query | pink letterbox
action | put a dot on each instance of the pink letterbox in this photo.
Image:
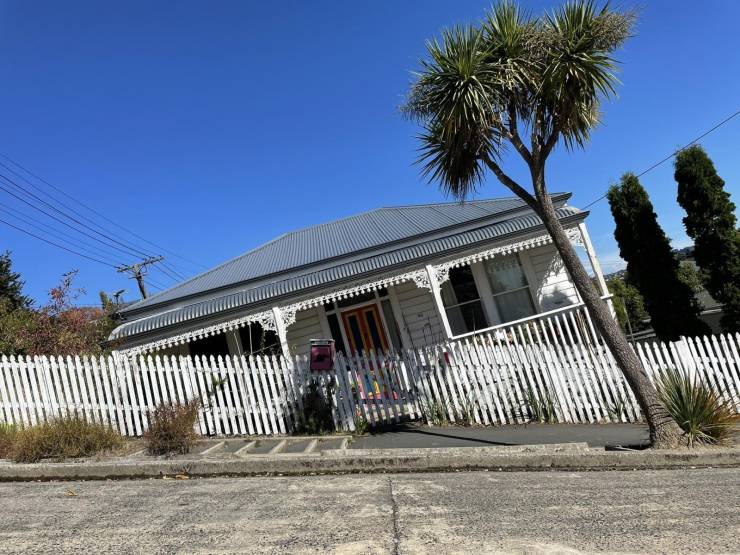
(322, 354)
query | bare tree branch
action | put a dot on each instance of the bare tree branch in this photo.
(513, 134)
(551, 142)
(509, 183)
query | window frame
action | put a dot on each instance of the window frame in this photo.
(527, 277)
(479, 299)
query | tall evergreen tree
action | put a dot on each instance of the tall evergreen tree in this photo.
(11, 285)
(710, 221)
(651, 264)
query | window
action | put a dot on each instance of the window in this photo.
(336, 333)
(510, 288)
(390, 321)
(213, 345)
(462, 302)
(258, 341)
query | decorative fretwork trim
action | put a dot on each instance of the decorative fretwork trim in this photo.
(575, 236)
(265, 319)
(288, 313)
(443, 270)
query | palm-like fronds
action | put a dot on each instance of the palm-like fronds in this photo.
(548, 74)
(579, 70)
(453, 98)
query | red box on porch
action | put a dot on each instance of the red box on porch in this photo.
(322, 354)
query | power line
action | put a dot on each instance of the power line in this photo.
(61, 236)
(651, 168)
(173, 270)
(104, 217)
(165, 270)
(56, 244)
(73, 228)
(52, 232)
(78, 222)
(73, 211)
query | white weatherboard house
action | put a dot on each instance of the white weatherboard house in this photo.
(400, 277)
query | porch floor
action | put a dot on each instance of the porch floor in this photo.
(415, 435)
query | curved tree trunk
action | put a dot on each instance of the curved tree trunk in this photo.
(664, 431)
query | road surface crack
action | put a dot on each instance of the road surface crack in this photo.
(394, 509)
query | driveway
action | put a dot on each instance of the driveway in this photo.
(417, 435)
(684, 511)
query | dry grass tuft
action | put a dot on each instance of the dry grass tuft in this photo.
(171, 429)
(66, 437)
(7, 435)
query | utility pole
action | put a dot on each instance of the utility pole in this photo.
(138, 271)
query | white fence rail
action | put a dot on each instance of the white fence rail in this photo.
(533, 371)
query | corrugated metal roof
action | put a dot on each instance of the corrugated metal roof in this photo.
(326, 241)
(301, 284)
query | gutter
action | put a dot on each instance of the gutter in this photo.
(128, 341)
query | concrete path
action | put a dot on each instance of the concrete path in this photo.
(408, 436)
(671, 511)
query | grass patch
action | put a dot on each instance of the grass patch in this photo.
(362, 426)
(7, 436)
(171, 429)
(67, 437)
(436, 414)
(700, 410)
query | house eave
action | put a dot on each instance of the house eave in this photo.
(195, 323)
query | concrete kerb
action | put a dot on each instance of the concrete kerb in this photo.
(565, 457)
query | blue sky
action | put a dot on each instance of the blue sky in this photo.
(211, 127)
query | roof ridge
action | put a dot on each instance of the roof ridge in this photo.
(428, 204)
(512, 197)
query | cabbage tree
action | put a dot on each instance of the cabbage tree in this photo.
(526, 85)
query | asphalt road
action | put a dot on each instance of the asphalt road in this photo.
(683, 511)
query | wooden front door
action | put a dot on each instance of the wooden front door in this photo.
(364, 329)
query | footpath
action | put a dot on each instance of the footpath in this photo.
(410, 448)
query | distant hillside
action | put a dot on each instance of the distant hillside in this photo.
(686, 253)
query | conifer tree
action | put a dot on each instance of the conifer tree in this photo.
(11, 285)
(651, 264)
(710, 221)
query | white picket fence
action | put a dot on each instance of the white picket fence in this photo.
(484, 379)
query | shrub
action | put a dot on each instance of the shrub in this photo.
(171, 428)
(7, 435)
(701, 412)
(317, 410)
(65, 437)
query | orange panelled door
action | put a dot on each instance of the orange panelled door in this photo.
(365, 332)
(364, 329)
